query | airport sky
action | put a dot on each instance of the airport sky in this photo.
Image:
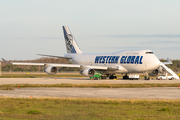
(29, 27)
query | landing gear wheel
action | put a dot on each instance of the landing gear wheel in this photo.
(147, 78)
(113, 77)
(126, 77)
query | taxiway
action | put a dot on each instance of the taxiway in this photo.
(124, 93)
(76, 81)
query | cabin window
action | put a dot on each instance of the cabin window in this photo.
(149, 52)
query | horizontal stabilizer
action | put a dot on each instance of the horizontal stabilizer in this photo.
(55, 56)
(168, 62)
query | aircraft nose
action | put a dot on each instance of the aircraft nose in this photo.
(156, 62)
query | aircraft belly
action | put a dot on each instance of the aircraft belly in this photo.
(134, 68)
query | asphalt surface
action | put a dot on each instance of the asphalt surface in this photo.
(76, 81)
(123, 93)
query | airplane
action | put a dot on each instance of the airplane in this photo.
(125, 62)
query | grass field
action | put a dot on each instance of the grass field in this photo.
(86, 109)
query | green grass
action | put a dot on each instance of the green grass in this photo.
(34, 112)
(164, 109)
(7, 88)
(88, 109)
(93, 85)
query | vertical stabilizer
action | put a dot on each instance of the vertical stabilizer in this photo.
(71, 44)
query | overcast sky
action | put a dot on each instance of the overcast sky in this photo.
(29, 27)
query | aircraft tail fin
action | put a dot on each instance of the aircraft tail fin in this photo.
(71, 44)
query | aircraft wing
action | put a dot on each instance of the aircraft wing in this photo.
(42, 64)
(95, 67)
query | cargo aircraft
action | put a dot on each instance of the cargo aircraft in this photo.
(126, 61)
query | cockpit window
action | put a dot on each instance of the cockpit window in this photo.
(149, 53)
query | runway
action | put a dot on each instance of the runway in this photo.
(76, 81)
(123, 93)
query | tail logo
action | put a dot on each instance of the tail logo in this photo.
(69, 43)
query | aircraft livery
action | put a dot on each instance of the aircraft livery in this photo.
(115, 59)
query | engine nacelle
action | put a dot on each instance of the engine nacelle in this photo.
(154, 73)
(88, 72)
(51, 70)
(160, 69)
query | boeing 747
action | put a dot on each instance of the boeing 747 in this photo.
(126, 61)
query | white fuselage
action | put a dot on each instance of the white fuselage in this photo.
(134, 61)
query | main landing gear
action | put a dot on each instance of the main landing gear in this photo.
(126, 76)
(147, 76)
(111, 76)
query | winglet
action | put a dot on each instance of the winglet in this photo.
(168, 62)
(5, 60)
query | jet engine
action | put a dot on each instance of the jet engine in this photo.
(88, 72)
(154, 73)
(158, 70)
(51, 70)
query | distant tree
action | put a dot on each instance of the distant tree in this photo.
(33, 68)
